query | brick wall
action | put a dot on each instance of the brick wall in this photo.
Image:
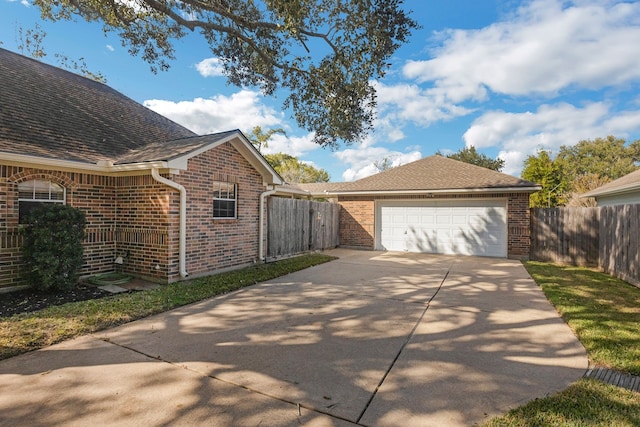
(145, 215)
(357, 225)
(214, 244)
(137, 218)
(357, 220)
(518, 226)
(93, 194)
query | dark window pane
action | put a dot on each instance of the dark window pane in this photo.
(25, 209)
(224, 208)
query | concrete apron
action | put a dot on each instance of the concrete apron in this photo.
(373, 338)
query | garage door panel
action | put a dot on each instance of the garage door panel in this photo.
(471, 227)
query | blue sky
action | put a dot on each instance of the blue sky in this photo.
(507, 77)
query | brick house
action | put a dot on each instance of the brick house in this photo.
(161, 200)
(434, 205)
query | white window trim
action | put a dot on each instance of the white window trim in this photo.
(33, 197)
(234, 200)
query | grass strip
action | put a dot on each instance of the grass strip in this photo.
(584, 403)
(30, 331)
(603, 311)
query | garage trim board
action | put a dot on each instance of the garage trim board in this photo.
(446, 226)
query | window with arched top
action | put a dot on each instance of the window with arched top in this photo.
(35, 193)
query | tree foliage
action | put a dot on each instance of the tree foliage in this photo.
(606, 157)
(579, 168)
(542, 170)
(470, 155)
(384, 164)
(583, 184)
(325, 53)
(292, 170)
(260, 139)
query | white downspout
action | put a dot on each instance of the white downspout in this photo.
(263, 197)
(182, 251)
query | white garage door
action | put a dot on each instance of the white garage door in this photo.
(465, 227)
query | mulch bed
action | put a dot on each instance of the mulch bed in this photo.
(27, 301)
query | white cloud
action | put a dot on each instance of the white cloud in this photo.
(242, 110)
(361, 160)
(547, 46)
(110, 48)
(210, 67)
(550, 126)
(292, 145)
(401, 103)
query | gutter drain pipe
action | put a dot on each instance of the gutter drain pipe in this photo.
(183, 218)
(263, 197)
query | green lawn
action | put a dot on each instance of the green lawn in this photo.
(29, 331)
(604, 312)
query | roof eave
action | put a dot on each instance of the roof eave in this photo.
(425, 192)
(102, 167)
(621, 190)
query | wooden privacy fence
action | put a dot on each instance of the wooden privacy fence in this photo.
(565, 235)
(296, 226)
(607, 237)
(620, 242)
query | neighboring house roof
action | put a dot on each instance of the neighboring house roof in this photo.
(52, 117)
(627, 183)
(434, 174)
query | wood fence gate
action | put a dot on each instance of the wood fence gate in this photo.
(295, 226)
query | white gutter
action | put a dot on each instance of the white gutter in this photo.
(182, 252)
(263, 197)
(103, 166)
(426, 192)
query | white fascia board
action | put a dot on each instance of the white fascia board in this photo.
(292, 191)
(620, 190)
(412, 192)
(102, 167)
(256, 159)
(244, 147)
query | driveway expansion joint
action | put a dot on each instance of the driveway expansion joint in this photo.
(402, 347)
(296, 405)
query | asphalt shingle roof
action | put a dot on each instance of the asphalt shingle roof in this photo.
(628, 182)
(49, 112)
(434, 173)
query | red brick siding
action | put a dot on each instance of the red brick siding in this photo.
(518, 226)
(214, 244)
(357, 219)
(92, 194)
(145, 213)
(357, 225)
(137, 218)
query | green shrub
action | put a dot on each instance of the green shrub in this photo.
(52, 247)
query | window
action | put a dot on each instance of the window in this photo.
(35, 193)
(224, 200)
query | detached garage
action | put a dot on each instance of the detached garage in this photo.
(435, 205)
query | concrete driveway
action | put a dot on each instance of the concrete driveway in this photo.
(374, 338)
